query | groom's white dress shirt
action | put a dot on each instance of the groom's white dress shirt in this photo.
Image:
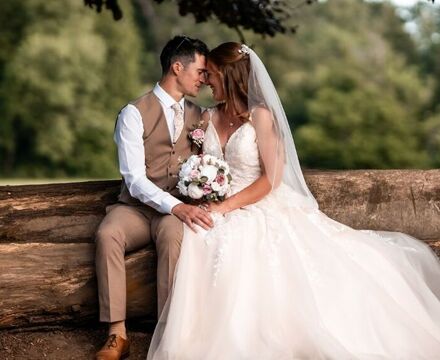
(128, 137)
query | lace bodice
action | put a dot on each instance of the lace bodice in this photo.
(241, 153)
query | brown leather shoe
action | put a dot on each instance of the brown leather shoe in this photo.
(115, 348)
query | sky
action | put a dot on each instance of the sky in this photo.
(411, 26)
(404, 2)
(410, 2)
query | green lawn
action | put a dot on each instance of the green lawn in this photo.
(18, 181)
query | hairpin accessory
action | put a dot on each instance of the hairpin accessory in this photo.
(244, 49)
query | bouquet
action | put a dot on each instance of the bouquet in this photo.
(205, 178)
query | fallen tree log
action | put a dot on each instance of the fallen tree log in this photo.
(44, 284)
(47, 251)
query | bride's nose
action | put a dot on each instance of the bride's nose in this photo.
(204, 79)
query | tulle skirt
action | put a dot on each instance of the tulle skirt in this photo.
(277, 280)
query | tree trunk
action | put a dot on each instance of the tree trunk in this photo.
(47, 252)
(45, 284)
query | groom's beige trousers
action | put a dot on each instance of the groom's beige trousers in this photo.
(130, 224)
(126, 228)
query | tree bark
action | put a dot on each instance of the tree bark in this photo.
(47, 233)
(43, 284)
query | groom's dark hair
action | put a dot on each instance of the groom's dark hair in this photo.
(182, 48)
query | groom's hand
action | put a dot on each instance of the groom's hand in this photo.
(192, 215)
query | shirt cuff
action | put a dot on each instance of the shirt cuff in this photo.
(168, 203)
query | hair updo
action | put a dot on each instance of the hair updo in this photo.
(234, 66)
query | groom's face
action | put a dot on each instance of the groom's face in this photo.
(192, 76)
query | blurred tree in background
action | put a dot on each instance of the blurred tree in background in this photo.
(427, 39)
(362, 96)
(65, 75)
(359, 91)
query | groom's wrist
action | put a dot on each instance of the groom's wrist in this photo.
(169, 203)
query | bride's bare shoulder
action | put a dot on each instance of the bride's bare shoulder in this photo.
(260, 111)
(260, 114)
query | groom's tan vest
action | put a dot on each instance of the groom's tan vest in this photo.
(161, 157)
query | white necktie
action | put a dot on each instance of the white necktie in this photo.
(178, 121)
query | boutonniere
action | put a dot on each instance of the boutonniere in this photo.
(197, 134)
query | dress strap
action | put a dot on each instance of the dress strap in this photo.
(210, 111)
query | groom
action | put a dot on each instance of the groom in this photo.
(151, 134)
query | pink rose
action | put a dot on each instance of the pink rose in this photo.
(198, 134)
(220, 179)
(207, 189)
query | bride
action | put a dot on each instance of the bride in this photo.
(276, 278)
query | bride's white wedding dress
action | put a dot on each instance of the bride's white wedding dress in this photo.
(280, 280)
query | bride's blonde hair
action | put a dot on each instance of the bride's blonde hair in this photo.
(234, 66)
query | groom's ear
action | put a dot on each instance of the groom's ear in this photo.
(176, 67)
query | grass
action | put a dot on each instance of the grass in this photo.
(25, 181)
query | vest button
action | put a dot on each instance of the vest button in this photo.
(173, 152)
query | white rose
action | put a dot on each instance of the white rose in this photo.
(194, 191)
(225, 168)
(223, 190)
(215, 186)
(210, 171)
(182, 188)
(185, 171)
(194, 161)
(208, 159)
(222, 165)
